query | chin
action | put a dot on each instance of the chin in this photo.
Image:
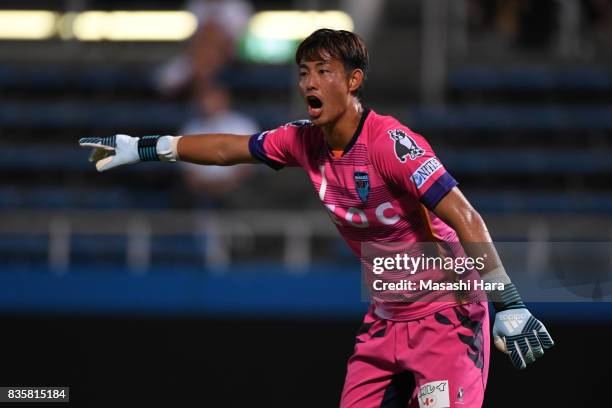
(319, 121)
(316, 121)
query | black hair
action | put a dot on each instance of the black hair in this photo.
(345, 46)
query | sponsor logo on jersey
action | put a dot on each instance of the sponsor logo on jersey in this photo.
(362, 185)
(405, 145)
(425, 170)
(434, 395)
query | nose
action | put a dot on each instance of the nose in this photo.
(311, 82)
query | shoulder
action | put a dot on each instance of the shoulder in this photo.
(299, 138)
(295, 128)
(286, 145)
(301, 132)
(389, 138)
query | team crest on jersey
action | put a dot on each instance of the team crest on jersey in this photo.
(362, 185)
(405, 146)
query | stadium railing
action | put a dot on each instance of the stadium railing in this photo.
(121, 198)
(212, 236)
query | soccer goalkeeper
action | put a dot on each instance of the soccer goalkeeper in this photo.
(381, 183)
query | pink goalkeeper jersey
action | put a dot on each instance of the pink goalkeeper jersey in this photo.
(382, 189)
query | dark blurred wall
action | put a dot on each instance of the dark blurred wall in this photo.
(271, 363)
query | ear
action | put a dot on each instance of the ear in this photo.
(355, 80)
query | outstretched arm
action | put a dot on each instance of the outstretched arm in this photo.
(515, 331)
(216, 149)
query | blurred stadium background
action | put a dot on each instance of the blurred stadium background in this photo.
(158, 283)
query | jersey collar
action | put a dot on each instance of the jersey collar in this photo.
(350, 145)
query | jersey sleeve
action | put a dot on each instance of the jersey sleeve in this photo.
(279, 147)
(407, 162)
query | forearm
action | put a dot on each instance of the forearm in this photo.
(475, 239)
(119, 150)
(215, 149)
(471, 230)
(515, 330)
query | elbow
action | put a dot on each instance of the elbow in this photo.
(464, 216)
(222, 157)
(472, 216)
(476, 225)
(226, 154)
(224, 160)
(220, 160)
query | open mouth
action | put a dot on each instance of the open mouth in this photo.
(315, 106)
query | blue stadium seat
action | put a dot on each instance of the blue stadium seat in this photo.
(526, 79)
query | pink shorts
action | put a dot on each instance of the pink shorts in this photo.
(439, 361)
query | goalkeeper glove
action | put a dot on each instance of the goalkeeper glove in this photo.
(516, 332)
(113, 151)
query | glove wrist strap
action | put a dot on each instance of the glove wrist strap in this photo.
(507, 299)
(147, 148)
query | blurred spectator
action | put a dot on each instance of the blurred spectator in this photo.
(507, 17)
(598, 21)
(537, 22)
(526, 23)
(209, 185)
(221, 23)
(479, 13)
(599, 14)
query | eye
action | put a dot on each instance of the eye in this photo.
(302, 74)
(323, 71)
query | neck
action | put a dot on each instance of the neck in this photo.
(339, 133)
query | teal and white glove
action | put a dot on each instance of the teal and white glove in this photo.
(113, 151)
(516, 332)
